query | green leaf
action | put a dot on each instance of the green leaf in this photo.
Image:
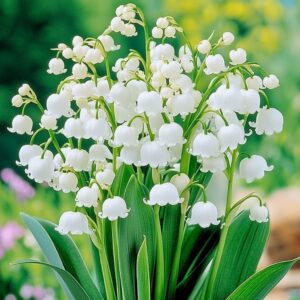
(47, 246)
(243, 248)
(72, 259)
(74, 287)
(142, 273)
(139, 223)
(121, 180)
(260, 284)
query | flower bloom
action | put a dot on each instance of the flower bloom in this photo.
(74, 223)
(87, 197)
(253, 168)
(21, 124)
(204, 214)
(114, 208)
(259, 213)
(163, 194)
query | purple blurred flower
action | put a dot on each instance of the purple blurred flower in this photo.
(9, 233)
(21, 187)
(36, 292)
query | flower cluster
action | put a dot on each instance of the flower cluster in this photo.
(148, 112)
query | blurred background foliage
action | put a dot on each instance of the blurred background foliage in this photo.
(268, 29)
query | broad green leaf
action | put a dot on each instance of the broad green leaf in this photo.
(121, 179)
(47, 246)
(260, 284)
(72, 259)
(142, 273)
(139, 223)
(73, 285)
(243, 248)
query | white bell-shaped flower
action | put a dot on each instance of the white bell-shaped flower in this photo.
(204, 47)
(98, 129)
(157, 32)
(21, 124)
(17, 101)
(231, 136)
(80, 71)
(27, 152)
(268, 121)
(58, 105)
(253, 168)
(74, 223)
(40, 169)
(56, 66)
(93, 56)
(271, 82)
(117, 24)
(259, 213)
(182, 82)
(182, 104)
(67, 182)
(48, 122)
(213, 164)
(87, 197)
(214, 64)
(163, 52)
(105, 177)
(170, 134)
(73, 128)
(171, 69)
(205, 145)
(78, 160)
(108, 43)
(227, 38)
(238, 56)
(180, 181)
(254, 83)
(163, 194)
(131, 155)
(204, 214)
(125, 136)
(250, 101)
(170, 32)
(150, 103)
(114, 208)
(154, 154)
(162, 22)
(100, 153)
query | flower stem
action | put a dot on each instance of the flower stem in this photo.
(224, 232)
(114, 226)
(160, 268)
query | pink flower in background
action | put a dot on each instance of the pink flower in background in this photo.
(9, 233)
(21, 187)
(36, 292)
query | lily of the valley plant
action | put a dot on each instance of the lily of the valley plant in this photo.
(136, 143)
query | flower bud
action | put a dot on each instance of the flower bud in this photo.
(162, 23)
(129, 30)
(108, 43)
(93, 56)
(24, 90)
(79, 71)
(214, 64)
(204, 214)
(204, 47)
(17, 101)
(253, 168)
(21, 124)
(87, 197)
(114, 208)
(77, 40)
(73, 222)
(117, 24)
(180, 181)
(170, 32)
(67, 53)
(227, 38)
(163, 194)
(157, 32)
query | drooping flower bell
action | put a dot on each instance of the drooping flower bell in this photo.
(21, 124)
(181, 104)
(259, 213)
(78, 159)
(125, 136)
(213, 164)
(105, 177)
(27, 152)
(238, 56)
(40, 169)
(48, 122)
(74, 223)
(67, 182)
(231, 136)
(99, 153)
(56, 66)
(98, 129)
(58, 106)
(114, 208)
(204, 214)
(271, 82)
(131, 155)
(215, 64)
(205, 145)
(150, 103)
(170, 134)
(250, 101)
(73, 128)
(253, 168)
(87, 197)
(268, 121)
(154, 154)
(180, 181)
(163, 194)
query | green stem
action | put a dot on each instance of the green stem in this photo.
(224, 232)
(160, 274)
(114, 226)
(109, 287)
